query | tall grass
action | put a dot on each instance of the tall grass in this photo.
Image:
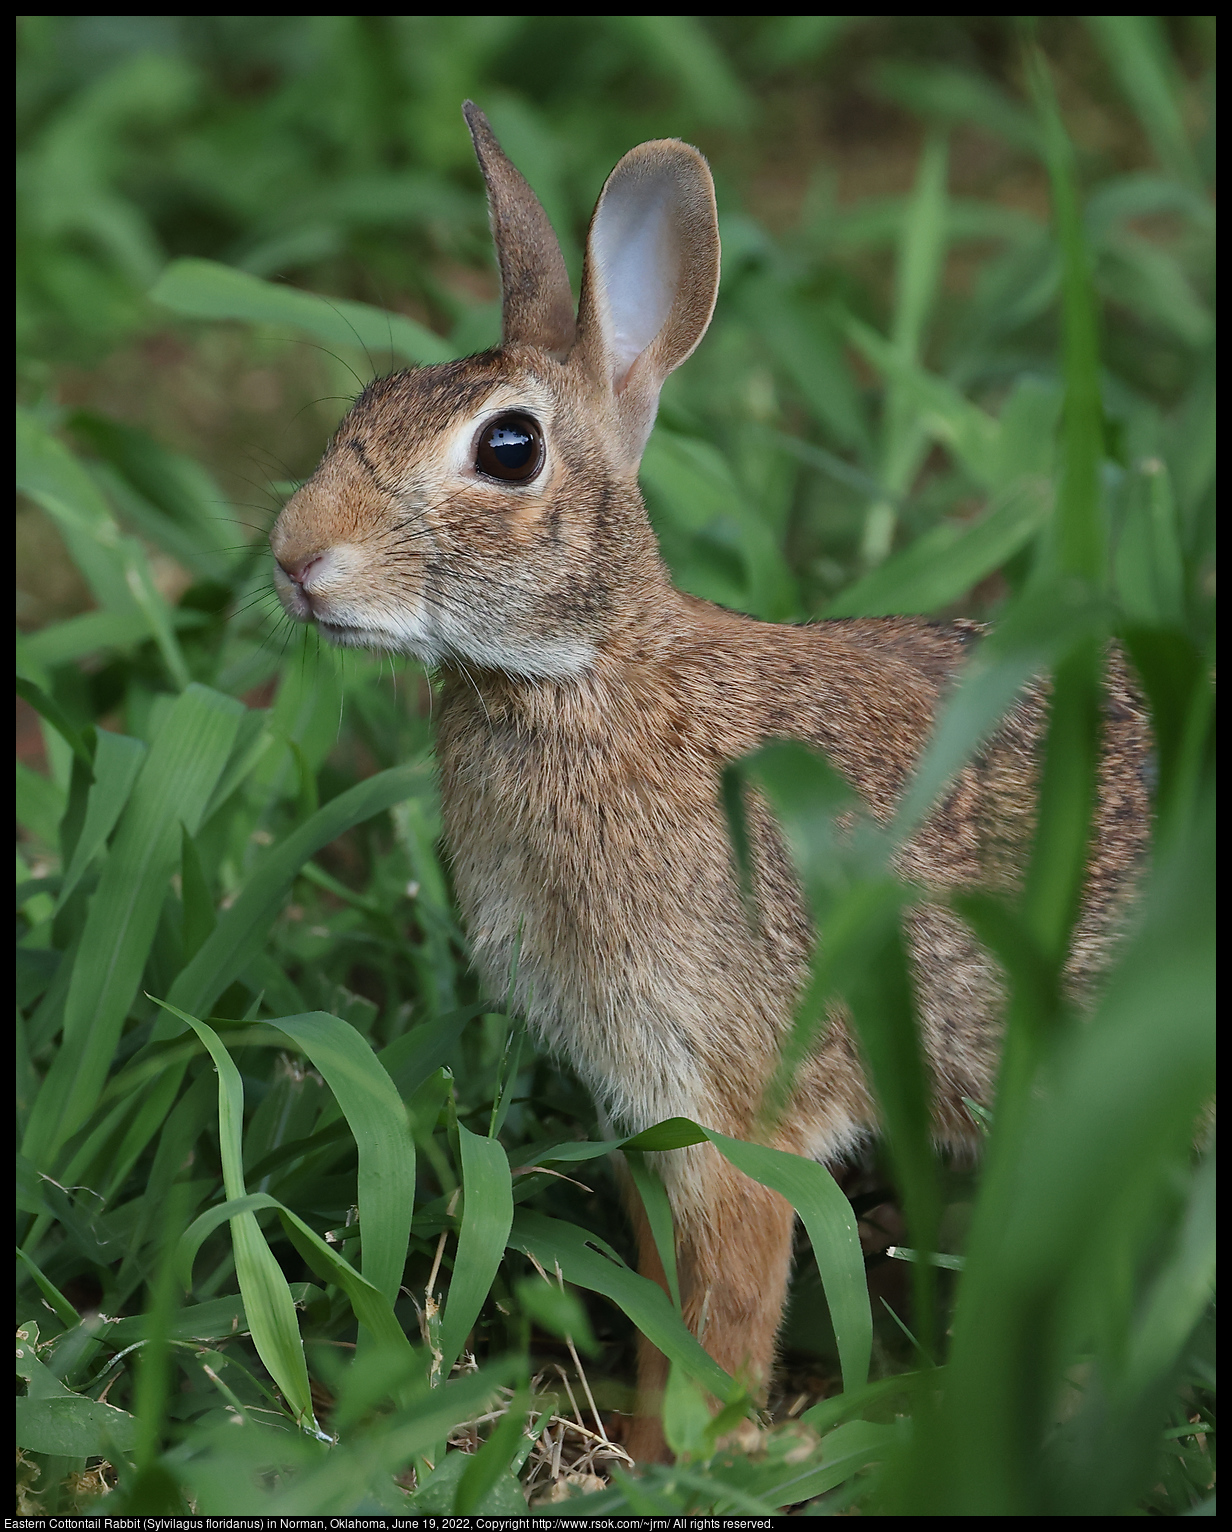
(303, 1219)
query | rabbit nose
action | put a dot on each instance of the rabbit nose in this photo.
(298, 571)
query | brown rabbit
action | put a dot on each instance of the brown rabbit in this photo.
(484, 516)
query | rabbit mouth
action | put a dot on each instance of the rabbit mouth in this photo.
(354, 635)
(396, 637)
(346, 633)
(530, 659)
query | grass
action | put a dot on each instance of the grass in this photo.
(282, 1164)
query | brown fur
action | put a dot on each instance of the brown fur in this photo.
(587, 711)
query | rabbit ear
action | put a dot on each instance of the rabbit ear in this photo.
(651, 278)
(537, 305)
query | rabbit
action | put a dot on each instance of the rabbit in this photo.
(484, 516)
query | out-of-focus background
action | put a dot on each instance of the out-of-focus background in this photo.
(872, 425)
(329, 153)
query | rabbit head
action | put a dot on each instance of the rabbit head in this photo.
(486, 511)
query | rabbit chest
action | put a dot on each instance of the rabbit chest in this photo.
(585, 835)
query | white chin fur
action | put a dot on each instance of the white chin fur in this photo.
(443, 639)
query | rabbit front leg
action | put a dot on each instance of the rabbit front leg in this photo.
(733, 1258)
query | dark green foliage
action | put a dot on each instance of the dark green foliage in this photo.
(247, 1029)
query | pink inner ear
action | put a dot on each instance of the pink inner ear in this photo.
(635, 245)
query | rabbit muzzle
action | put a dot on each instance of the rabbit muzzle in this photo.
(429, 564)
(467, 514)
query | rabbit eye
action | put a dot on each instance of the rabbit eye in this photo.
(510, 448)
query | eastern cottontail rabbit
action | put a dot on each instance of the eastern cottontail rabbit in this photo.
(484, 516)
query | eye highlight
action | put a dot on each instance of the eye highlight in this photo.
(510, 448)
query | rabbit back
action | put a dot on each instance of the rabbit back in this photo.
(587, 832)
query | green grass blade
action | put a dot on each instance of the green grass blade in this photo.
(268, 1304)
(56, 1301)
(559, 1311)
(149, 1118)
(51, 710)
(254, 739)
(74, 1427)
(860, 959)
(1079, 539)
(1124, 1093)
(507, 1078)
(940, 410)
(847, 1449)
(194, 1113)
(493, 1459)
(41, 1382)
(829, 1413)
(180, 490)
(48, 473)
(1180, 1291)
(410, 1060)
(693, 485)
(153, 605)
(154, 1380)
(378, 1121)
(117, 762)
(831, 1225)
(922, 250)
(942, 565)
(1154, 287)
(959, 96)
(115, 567)
(1137, 48)
(1039, 628)
(343, 1480)
(207, 290)
(176, 780)
(80, 780)
(78, 637)
(920, 260)
(1173, 674)
(1149, 567)
(211, 1321)
(203, 1226)
(371, 1307)
(586, 1261)
(807, 345)
(808, 1186)
(242, 929)
(199, 918)
(1055, 879)
(658, 1210)
(684, 51)
(487, 1213)
(671, 1133)
(795, 40)
(40, 804)
(1067, 789)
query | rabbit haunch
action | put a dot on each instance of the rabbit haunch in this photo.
(588, 708)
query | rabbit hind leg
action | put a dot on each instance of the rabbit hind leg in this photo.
(733, 1252)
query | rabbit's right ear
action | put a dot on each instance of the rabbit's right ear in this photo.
(651, 279)
(536, 301)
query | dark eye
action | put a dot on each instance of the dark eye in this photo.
(511, 448)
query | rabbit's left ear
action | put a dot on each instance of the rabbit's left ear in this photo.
(536, 302)
(651, 279)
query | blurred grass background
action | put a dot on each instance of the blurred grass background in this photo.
(868, 427)
(325, 151)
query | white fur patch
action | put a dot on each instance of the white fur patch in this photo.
(435, 636)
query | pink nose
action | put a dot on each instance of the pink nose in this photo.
(298, 570)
